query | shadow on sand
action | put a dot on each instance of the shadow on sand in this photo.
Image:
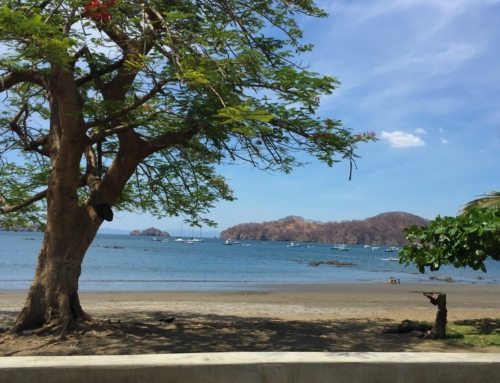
(214, 333)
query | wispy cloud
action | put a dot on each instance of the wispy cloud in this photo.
(444, 141)
(420, 131)
(372, 9)
(402, 140)
(432, 63)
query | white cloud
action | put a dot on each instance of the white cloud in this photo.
(441, 130)
(444, 141)
(420, 131)
(402, 139)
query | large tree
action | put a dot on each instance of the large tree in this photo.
(131, 105)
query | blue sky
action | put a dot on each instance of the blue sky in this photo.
(425, 77)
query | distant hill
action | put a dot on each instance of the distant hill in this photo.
(151, 231)
(383, 229)
(30, 227)
(106, 230)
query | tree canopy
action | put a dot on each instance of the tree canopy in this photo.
(171, 87)
(466, 240)
(134, 105)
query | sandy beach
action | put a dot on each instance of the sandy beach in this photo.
(312, 317)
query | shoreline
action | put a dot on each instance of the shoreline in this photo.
(313, 301)
(299, 286)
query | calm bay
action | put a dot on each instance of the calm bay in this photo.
(131, 263)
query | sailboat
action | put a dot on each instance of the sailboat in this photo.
(198, 239)
(191, 240)
(180, 239)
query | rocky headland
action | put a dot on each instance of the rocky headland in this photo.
(383, 229)
(151, 232)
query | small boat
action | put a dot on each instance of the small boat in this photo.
(293, 244)
(189, 242)
(390, 259)
(245, 244)
(155, 239)
(227, 243)
(340, 248)
(375, 248)
(391, 249)
(166, 240)
(366, 246)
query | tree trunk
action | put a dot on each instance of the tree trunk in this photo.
(439, 329)
(53, 302)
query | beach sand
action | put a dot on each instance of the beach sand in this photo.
(314, 317)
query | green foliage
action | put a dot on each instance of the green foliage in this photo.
(477, 332)
(19, 184)
(201, 84)
(465, 240)
(39, 39)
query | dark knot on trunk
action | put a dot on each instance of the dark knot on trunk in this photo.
(104, 211)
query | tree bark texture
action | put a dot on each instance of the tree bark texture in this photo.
(439, 329)
(71, 225)
(53, 301)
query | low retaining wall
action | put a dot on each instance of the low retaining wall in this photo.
(256, 367)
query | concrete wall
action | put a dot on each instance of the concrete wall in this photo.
(256, 367)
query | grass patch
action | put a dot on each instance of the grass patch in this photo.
(477, 332)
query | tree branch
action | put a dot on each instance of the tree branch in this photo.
(37, 197)
(11, 209)
(129, 108)
(29, 144)
(16, 77)
(89, 77)
(92, 175)
(97, 79)
(175, 138)
(101, 135)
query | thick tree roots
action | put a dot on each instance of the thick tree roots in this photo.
(41, 315)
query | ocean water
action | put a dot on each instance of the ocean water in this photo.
(129, 263)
